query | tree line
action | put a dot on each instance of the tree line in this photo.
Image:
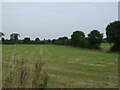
(78, 39)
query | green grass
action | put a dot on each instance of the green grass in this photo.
(67, 66)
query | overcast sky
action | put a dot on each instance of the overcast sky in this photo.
(119, 11)
(53, 20)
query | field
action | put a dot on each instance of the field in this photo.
(67, 66)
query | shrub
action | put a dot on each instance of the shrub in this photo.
(115, 48)
(84, 43)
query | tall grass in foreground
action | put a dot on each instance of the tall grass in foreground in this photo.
(20, 74)
(40, 78)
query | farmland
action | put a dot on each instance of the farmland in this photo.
(68, 66)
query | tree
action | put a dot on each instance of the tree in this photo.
(26, 40)
(60, 41)
(113, 35)
(44, 41)
(14, 37)
(77, 37)
(37, 40)
(104, 40)
(49, 41)
(69, 42)
(65, 40)
(1, 34)
(84, 43)
(3, 39)
(95, 38)
(54, 41)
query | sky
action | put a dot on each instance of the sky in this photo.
(119, 11)
(51, 20)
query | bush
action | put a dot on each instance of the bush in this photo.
(94, 46)
(115, 48)
(84, 43)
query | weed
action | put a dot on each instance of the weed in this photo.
(40, 77)
(18, 76)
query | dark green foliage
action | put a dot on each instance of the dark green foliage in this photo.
(3, 39)
(37, 41)
(20, 42)
(6, 41)
(115, 48)
(62, 41)
(44, 41)
(113, 35)
(1, 34)
(69, 41)
(49, 41)
(84, 43)
(104, 40)
(54, 41)
(26, 40)
(95, 38)
(14, 37)
(77, 37)
(65, 41)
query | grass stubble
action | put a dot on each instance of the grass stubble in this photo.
(67, 67)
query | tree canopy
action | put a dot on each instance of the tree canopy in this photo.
(14, 37)
(77, 37)
(113, 34)
(95, 38)
(1, 34)
(26, 40)
(37, 39)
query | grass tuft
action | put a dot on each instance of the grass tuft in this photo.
(19, 74)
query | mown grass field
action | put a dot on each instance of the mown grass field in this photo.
(67, 66)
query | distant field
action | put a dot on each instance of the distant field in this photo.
(67, 66)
